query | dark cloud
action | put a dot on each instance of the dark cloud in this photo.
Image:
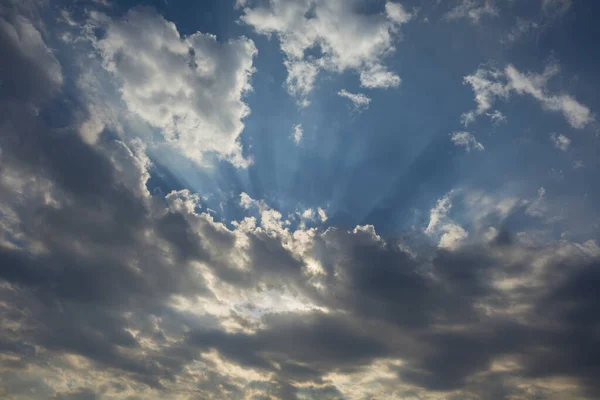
(93, 261)
(81, 394)
(33, 72)
(300, 346)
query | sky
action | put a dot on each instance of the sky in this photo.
(299, 199)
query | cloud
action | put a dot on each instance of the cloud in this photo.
(486, 88)
(466, 140)
(329, 35)
(522, 28)
(497, 117)
(538, 207)
(74, 253)
(490, 84)
(360, 102)
(22, 43)
(322, 214)
(550, 13)
(576, 113)
(561, 142)
(190, 87)
(556, 8)
(474, 10)
(110, 291)
(450, 234)
(297, 133)
(134, 296)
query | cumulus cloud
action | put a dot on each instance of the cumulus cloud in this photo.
(491, 84)
(474, 10)
(561, 142)
(190, 87)
(360, 102)
(466, 140)
(329, 35)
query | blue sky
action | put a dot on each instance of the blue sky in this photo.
(358, 162)
(299, 199)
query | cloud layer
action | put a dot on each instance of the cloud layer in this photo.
(111, 291)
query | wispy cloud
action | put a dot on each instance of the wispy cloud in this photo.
(474, 10)
(466, 140)
(360, 102)
(491, 84)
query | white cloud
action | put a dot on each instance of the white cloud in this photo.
(466, 140)
(487, 89)
(343, 38)
(132, 163)
(301, 78)
(246, 201)
(473, 10)
(490, 84)
(297, 133)
(190, 87)
(308, 214)
(576, 114)
(184, 201)
(561, 142)
(449, 234)
(377, 76)
(497, 117)
(322, 214)
(453, 236)
(360, 102)
(397, 13)
(311, 214)
(478, 211)
(439, 212)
